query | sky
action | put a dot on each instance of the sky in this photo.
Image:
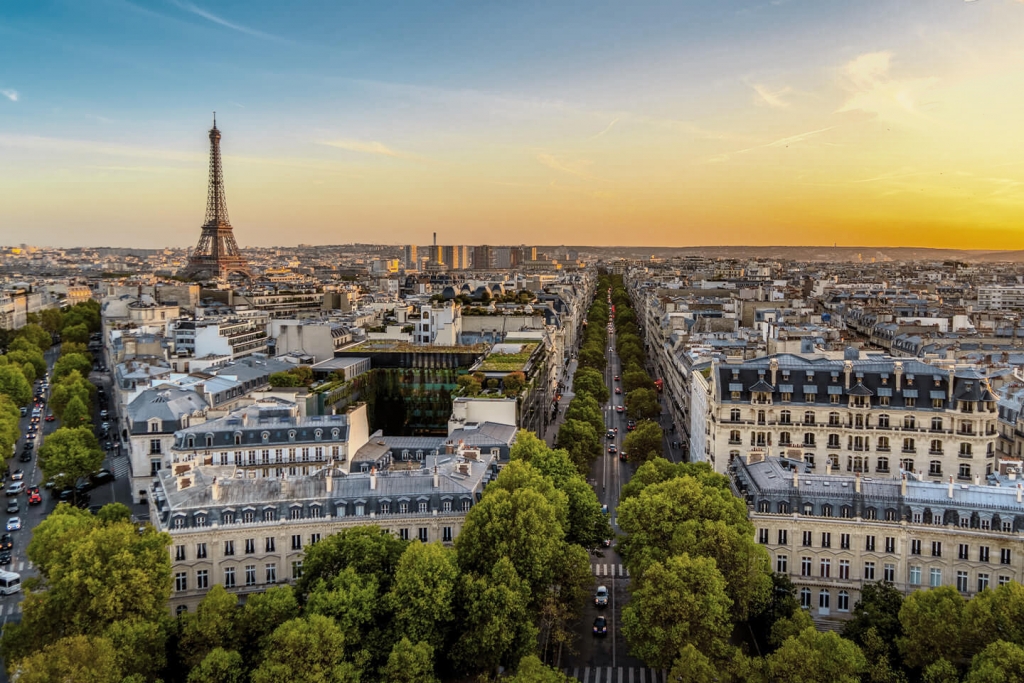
(670, 123)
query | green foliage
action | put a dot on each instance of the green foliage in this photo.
(74, 347)
(878, 612)
(30, 354)
(76, 413)
(369, 550)
(77, 333)
(71, 385)
(261, 614)
(532, 670)
(211, 626)
(68, 454)
(51, 320)
(114, 512)
(643, 404)
(1000, 662)
(469, 385)
(410, 663)
(35, 335)
(14, 385)
(644, 443)
(679, 602)
(636, 379)
(219, 666)
(10, 429)
(77, 658)
(932, 622)
(582, 443)
(694, 666)
(285, 379)
(586, 409)
(940, 671)
(590, 381)
(72, 362)
(790, 626)
(812, 657)
(513, 383)
(306, 650)
(423, 593)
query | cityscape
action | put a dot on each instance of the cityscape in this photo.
(750, 429)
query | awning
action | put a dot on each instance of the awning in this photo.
(810, 389)
(735, 386)
(835, 391)
(786, 388)
(937, 395)
(885, 391)
(910, 393)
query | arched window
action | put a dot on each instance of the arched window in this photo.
(808, 509)
(935, 447)
(965, 449)
(209, 440)
(318, 434)
(909, 422)
(823, 599)
(936, 423)
(238, 438)
(843, 601)
(784, 438)
(883, 421)
(935, 468)
(764, 506)
(809, 417)
(734, 436)
(783, 507)
(785, 417)
(833, 419)
(805, 598)
(265, 436)
(870, 513)
(734, 415)
(908, 445)
(191, 441)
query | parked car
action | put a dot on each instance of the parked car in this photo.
(630, 425)
(104, 415)
(600, 626)
(14, 523)
(24, 411)
(623, 457)
(105, 426)
(50, 417)
(601, 596)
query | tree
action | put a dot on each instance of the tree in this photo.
(71, 385)
(75, 333)
(590, 381)
(140, 646)
(636, 379)
(532, 670)
(423, 593)
(932, 622)
(790, 626)
(10, 428)
(352, 601)
(681, 601)
(694, 667)
(36, 335)
(69, 454)
(74, 347)
(811, 657)
(285, 379)
(14, 385)
(586, 408)
(306, 650)
(114, 512)
(643, 404)
(878, 609)
(72, 362)
(514, 383)
(1000, 662)
(581, 442)
(369, 550)
(51, 320)
(469, 385)
(219, 666)
(27, 354)
(645, 442)
(212, 625)
(410, 663)
(76, 414)
(262, 613)
(991, 615)
(78, 658)
(940, 671)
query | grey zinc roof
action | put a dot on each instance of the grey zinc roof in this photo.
(167, 403)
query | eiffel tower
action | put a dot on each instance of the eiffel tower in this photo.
(217, 254)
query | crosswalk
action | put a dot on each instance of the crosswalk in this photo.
(119, 465)
(8, 610)
(616, 674)
(21, 566)
(609, 570)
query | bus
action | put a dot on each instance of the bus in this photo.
(10, 582)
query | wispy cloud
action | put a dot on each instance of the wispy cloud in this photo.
(370, 147)
(577, 168)
(781, 142)
(872, 89)
(12, 95)
(772, 98)
(64, 145)
(210, 16)
(607, 128)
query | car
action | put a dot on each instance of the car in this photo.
(16, 488)
(618, 390)
(14, 523)
(35, 498)
(610, 434)
(630, 425)
(13, 507)
(24, 411)
(615, 429)
(49, 417)
(107, 446)
(104, 414)
(620, 409)
(600, 626)
(30, 436)
(105, 426)
(607, 543)
(616, 378)
(26, 456)
(604, 509)
(612, 450)
(5, 558)
(601, 596)
(101, 477)
(6, 542)
(623, 457)
(17, 475)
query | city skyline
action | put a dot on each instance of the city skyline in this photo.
(754, 123)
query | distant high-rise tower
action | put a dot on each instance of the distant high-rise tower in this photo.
(217, 254)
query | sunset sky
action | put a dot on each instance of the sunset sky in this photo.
(867, 122)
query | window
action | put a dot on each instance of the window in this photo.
(807, 539)
(844, 541)
(783, 537)
(908, 445)
(823, 600)
(982, 582)
(825, 567)
(936, 548)
(963, 552)
(961, 581)
(155, 447)
(983, 553)
(785, 417)
(808, 439)
(935, 447)
(909, 402)
(181, 581)
(446, 534)
(248, 516)
(297, 569)
(883, 445)
(269, 544)
(883, 421)
(915, 547)
(805, 598)
(869, 543)
(915, 576)
(423, 534)
(179, 553)
(805, 566)
(843, 601)
(762, 536)
(271, 573)
(1003, 579)
(1004, 556)
(826, 539)
(889, 572)
(403, 534)
(734, 415)
(446, 506)
(782, 564)
(734, 436)
(869, 571)
(964, 471)
(833, 419)
(833, 441)
(200, 551)
(250, 546)
(890, 544)
(809, 418)
(229, 577)
(203, 579)
(269, 515)
(314, 538)
(296, 541)
(229, 547)
(935, 577)
(844, 569)
(360, 509)
(422, 506)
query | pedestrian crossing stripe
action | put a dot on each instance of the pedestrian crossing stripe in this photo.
(616, 674)
(14, 608)
(610, 570)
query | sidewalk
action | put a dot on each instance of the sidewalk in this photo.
(567, 395)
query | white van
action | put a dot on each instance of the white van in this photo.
(10, 582)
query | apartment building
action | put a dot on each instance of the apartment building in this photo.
(832, 534)
(873, 415)
(1001, 297)
(233, 337)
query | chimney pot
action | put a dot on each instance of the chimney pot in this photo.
(796, 479)
(951, 486)
(1020, 493)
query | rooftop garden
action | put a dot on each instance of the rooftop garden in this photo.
(509, 362)
(390, 345)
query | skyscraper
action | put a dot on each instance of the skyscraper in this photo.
(217, 254)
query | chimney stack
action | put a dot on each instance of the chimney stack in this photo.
(903, 485)
(1020, 491)
(373, 479)
(951, 486)
(856, 483)
(796, 479)
(215, 489)
(330, 478)
(437, 478)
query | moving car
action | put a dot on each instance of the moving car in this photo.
(34, 498)
(6, 542)
(12, 506)
(620, 409)
(17, 475)
(14, 523)
(50, 417)
(610, 434)
(623, 457)
(5, 558)
(630, 425)
(16, 488)
(616, 378)
(600, 626)
(618, 390)
(601, 596)
(607, 543)
(101, 477)
(612, 450)
(26, 455)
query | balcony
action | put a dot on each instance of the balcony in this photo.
(909, 450)
(965, 455)
(883, 449)
(833, 446)
(882, 470)
(735, 442)
(934, 451)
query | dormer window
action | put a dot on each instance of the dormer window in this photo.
(154, 426)
(238, 438)
(335, 433)
(266, 437)
(318, 434)
(209, 440)
(291, 435)
(191, 441)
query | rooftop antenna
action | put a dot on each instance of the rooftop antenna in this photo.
(214, 119)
